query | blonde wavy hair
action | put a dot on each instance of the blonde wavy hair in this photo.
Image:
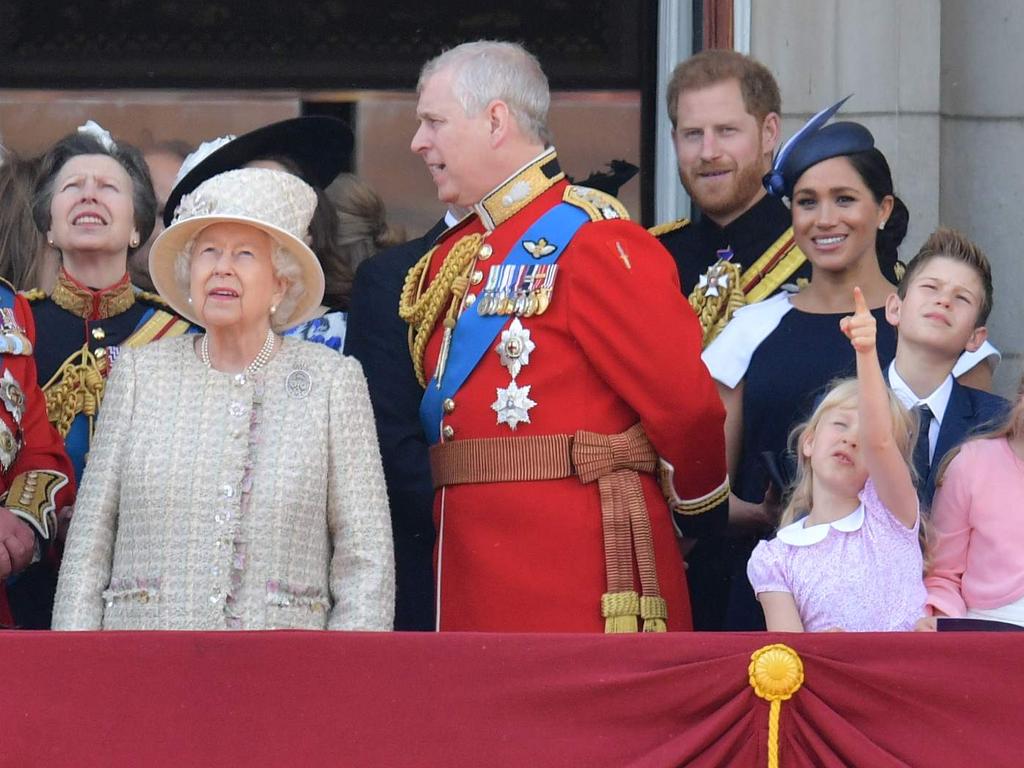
(843, 393)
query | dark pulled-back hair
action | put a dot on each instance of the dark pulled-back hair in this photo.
(757, 85)
(873, 168)
(130, 158)
(954, 245)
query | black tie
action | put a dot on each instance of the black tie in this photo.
(921, 462)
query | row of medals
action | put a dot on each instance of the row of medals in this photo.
(523, 290)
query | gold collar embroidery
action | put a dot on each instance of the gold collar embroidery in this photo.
(88, 304)
(520, 189)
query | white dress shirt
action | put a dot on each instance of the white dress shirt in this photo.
(937, 402)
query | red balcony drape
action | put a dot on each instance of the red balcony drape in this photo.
(308, 698)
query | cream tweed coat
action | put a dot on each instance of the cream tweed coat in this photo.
(219, 501)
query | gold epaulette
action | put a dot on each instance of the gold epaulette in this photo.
(597, 204)
(669, 226)
(152, 298)
(34, 294)
(32, 497)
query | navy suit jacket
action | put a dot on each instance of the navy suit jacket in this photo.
(969, 412)
(378, 338)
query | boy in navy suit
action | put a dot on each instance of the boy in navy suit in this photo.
(940, 310)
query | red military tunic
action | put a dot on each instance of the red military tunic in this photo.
(617, 345)
(36, 478)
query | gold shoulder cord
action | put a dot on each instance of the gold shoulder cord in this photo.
(715, 310)
(77, 387)
(422, 308)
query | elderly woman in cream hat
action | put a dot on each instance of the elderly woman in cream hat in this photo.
(264, 506)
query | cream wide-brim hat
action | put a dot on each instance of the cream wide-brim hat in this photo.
(274, 202)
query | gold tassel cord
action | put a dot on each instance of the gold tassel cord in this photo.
(76, 388)
(776, 672)
(620, 610)
(422, 308)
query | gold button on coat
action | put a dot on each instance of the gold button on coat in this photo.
(448, 432)
(448, 405)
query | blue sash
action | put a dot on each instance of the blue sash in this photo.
(474, 333)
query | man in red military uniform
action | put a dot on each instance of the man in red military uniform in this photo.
(36, 478)
(561, 367)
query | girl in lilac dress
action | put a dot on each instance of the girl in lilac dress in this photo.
(846, 556)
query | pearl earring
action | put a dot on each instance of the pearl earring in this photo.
(134, 242)
(882, 225)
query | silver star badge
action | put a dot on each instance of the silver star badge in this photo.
(513, 404)
(716, 280)
(515, 347)
(12, 395)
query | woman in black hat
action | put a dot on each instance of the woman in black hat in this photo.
(776, 357)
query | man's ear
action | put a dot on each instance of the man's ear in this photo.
(499, 119)
(976, 339)
(893, 305)
(771, 129)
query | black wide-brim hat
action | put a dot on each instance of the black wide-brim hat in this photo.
(320, 146)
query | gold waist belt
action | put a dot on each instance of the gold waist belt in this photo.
(614, 461)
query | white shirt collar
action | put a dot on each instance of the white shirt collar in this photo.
(937, 401)
(799, 536)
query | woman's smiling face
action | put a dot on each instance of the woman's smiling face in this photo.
(836, 216)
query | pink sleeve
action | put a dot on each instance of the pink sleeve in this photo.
(766, 570)
(951, 531)
(879, 513)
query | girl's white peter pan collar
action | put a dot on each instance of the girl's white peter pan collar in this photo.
(800, 536)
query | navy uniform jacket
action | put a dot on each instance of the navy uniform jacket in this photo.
(79, 333)
(694, 245)
(378, 338)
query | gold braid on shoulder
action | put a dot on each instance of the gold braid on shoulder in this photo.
(76, 388)
(422, 308)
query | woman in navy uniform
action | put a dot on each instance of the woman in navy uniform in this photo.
(95, 204)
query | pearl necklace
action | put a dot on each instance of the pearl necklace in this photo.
(261, 359)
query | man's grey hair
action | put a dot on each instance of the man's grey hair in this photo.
(286, 267)
(490, 69)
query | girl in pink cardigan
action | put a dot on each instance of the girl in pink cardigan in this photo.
(977, 563)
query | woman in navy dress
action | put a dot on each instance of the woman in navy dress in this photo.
(775, 358)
